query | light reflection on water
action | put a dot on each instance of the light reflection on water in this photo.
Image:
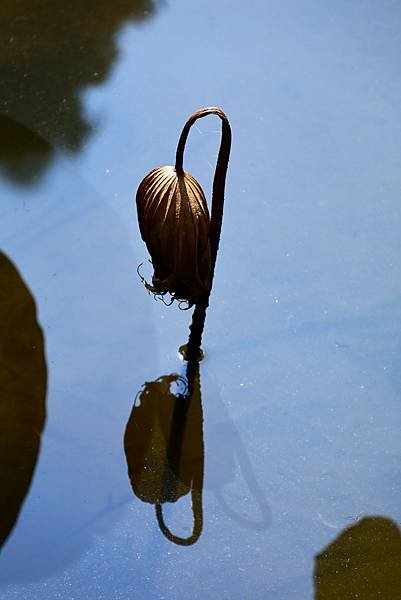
(300, 387)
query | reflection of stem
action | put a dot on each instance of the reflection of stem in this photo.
(179, 419)
(174, 455)
(198, 522)
(199, 315)
(192, 374)
(180, 414)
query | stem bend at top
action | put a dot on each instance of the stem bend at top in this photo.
(219, 179)
(203, 112)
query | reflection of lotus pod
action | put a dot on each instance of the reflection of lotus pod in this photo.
(163, 445)
(174, 222)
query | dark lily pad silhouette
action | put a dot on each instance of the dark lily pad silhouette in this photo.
(363, 562)
(23, 377)
(50, 52)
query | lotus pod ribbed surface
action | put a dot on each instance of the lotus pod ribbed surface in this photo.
(174, 222)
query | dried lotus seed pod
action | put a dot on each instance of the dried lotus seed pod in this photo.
(181, 238)
(174, 223)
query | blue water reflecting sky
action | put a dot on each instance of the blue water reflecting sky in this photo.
(301, 385)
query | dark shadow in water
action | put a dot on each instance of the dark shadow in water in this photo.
(363, 562)
(23, 153)
(164, 446)
(50, 51)
(23, 377)
(229, 460)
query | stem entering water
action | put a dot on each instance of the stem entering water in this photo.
(192, 350)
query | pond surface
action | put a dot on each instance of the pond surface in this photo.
(289, 452)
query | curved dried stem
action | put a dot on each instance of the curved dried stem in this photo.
(219, 181)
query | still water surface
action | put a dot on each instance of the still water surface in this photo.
(291, 442)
